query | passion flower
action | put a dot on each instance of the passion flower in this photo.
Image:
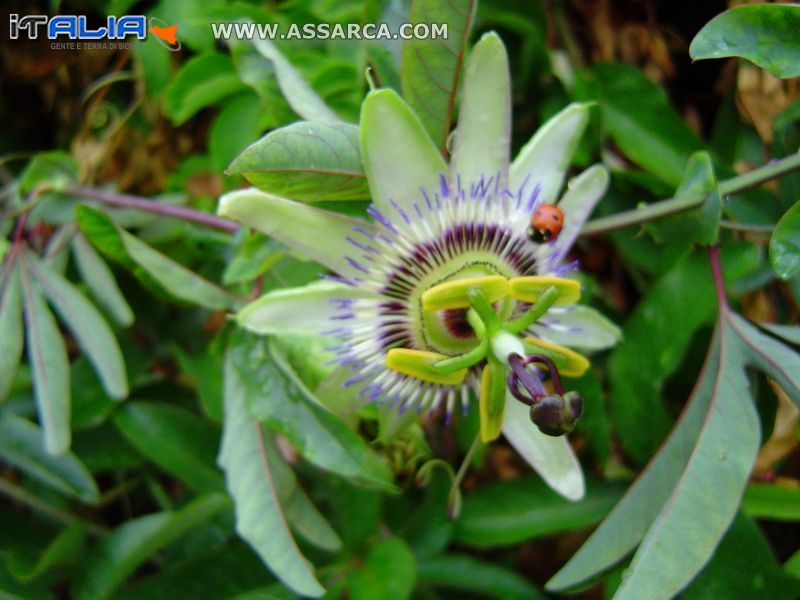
(438, 297)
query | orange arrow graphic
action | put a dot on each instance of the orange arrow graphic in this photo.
(168, 34)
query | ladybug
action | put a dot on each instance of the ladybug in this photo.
(546, 223)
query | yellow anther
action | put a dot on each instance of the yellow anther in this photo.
(528, 289)
(492, 401)
(568, 362)
(420, 365)
(454, 294)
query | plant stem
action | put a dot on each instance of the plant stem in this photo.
(719, 282)
(152, 206)
(687, 202)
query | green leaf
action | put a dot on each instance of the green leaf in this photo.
(630, 519)
(510, 512)
(154, 64)
(56, 169)
(251, 482)
(237, 125)
(638, 117)
(388, 571)
(784, 245)
(656, 337)
(224, 573)
(22, 445)
(149, 265)
(765, 34)
(769, 355)
(790, 333)
(302, 515)
(301, 97)
(47, 354)
(306, 161)
(206, 371)
(699, 226)
(775, 502)
(101, 283)
(65, 549)
(430, 69)
(743, 567)
(706, 497)
(87, 325)
(255, 255)
(11, 333)
(277, 396)
(119, 554)
(175, 439)
(202, 81)
(472, 575)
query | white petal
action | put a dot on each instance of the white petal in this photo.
(398, 155)
(545, 158)
(551, 457)
(483, 135)
(583, 193)
(579, 327)
(319, 234)
(307, 310)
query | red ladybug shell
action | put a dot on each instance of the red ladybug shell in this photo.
(546, 223)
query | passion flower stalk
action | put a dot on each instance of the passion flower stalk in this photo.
(441, 297)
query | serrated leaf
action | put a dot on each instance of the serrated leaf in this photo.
(308, 161)
(86, 324)
(297, 91)
(784, 245)
(175, 439)
(11, 332)
(22, 444)
(510, 512)
(472, 575)
(152, 267)
(765, 34)
(101, 283)
(276, 396)
(431, 68)
(203, 80)
(251, 482)
(47, 354)
(117, 556)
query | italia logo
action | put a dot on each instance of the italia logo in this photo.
(75, 27)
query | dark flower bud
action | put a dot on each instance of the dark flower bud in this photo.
(556, 414)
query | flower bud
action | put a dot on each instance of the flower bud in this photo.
(557, 414)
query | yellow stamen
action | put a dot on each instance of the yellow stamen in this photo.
(454, 294)
(492, 401)
(420, 364)
(528, 289)
(569, 362)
